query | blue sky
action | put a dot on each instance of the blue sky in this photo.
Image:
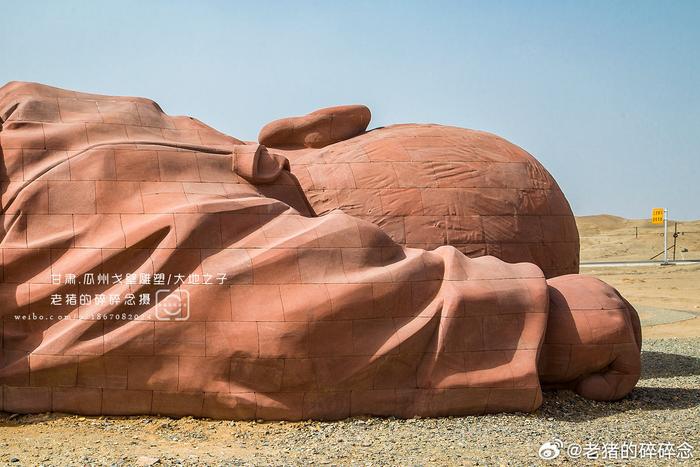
(606, 94)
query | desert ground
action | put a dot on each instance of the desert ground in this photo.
(664, 408)
(612, 238)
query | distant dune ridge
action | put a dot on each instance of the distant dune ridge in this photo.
(611, 238)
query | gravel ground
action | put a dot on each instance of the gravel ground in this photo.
(665, 407)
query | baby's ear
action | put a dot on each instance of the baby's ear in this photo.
(317, 129)
(254, 163)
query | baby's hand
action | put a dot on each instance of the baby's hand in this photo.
(317, 129)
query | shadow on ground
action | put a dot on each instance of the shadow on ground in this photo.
(13, 419)
(668, 365)
(566, 405)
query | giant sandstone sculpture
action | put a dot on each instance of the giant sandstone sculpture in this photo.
(151, 264)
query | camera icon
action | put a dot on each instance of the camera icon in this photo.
(172, 305)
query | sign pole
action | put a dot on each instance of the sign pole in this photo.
(660, 216)
(665, 236)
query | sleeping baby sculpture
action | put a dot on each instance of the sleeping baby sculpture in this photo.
(153, 265)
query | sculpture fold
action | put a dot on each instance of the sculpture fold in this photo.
(153, 265)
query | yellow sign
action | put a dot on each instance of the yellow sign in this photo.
(657, 216)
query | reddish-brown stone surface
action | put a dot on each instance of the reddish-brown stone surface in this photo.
(151, 264)
(317, 129)
(432, 185)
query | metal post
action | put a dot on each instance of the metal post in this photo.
(675, 237)
(665, 236)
